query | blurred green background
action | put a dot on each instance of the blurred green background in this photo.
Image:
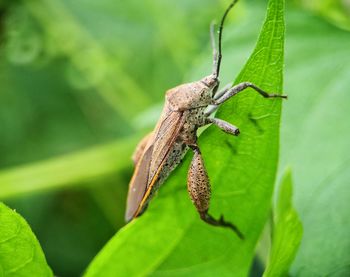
(82, 81)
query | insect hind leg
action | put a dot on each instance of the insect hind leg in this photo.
(199, 190)
(220, 222)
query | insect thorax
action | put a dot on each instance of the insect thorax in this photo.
(191, 95)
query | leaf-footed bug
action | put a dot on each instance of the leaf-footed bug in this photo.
(187, 107)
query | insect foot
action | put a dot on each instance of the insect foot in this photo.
(221, 222)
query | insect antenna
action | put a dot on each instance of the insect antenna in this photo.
(221, 27)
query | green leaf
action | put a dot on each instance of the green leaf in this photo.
(315, 142)
(170, 238)
(287, 231)
(20, 252)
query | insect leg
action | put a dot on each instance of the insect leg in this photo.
(242, 86)
(140, 148)
(223, 125)
(198, 187)
(222, 91)
(213, 108)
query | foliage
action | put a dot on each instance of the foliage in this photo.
(335, 11)
(287, 231)
(20, 252)
(314, 141)
(170, 238)
(77, 82)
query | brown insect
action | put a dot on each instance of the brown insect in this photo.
(187, 107)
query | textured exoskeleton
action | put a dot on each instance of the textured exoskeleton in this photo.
(187, 107)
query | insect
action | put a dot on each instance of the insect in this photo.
(187, 107)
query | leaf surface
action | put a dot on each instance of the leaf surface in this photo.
(315, 137)
(20, 252)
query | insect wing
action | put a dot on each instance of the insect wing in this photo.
(165, 137)
(138, 184)
(150, 164)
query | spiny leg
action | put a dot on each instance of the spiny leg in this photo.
(223, 125)
(242, 86)
(198, 187)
